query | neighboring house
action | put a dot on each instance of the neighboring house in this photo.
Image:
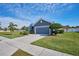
(71, 30)
(41, 27)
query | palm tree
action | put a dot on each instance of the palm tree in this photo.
(12, 27)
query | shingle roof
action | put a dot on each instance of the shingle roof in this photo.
(42, 22)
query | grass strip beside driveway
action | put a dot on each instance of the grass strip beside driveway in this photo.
(21, 53)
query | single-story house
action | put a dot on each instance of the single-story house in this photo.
(41, 27)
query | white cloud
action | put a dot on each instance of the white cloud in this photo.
(21, 12)
(5, 22)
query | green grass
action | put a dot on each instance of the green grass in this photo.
(10, 35)
(67, 43)
(21, 53)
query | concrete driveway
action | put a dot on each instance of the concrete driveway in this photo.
(27, 38)
(8, 47)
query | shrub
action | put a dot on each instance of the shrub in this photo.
(60, 31)
(77, 31)
(31, 32)
(24, 33)
(54, 32)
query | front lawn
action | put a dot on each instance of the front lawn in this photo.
(11, 35)
(67, 43)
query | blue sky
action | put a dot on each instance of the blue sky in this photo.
(25, 14)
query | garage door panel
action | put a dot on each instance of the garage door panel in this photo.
(43, 30)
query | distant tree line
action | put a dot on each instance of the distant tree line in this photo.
(13, 27)
(67, 26)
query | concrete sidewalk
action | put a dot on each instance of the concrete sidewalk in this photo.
(23, 43)
(6, 50)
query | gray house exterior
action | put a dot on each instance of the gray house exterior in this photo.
(41, 27)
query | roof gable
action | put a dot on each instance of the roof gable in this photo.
(42, 22)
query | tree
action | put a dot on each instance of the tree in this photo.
(67, 26)
(77, 26)
(0, 23)
(0, 26)
(24, 28)
(12, 27)
(5, 29)
(54, 27)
